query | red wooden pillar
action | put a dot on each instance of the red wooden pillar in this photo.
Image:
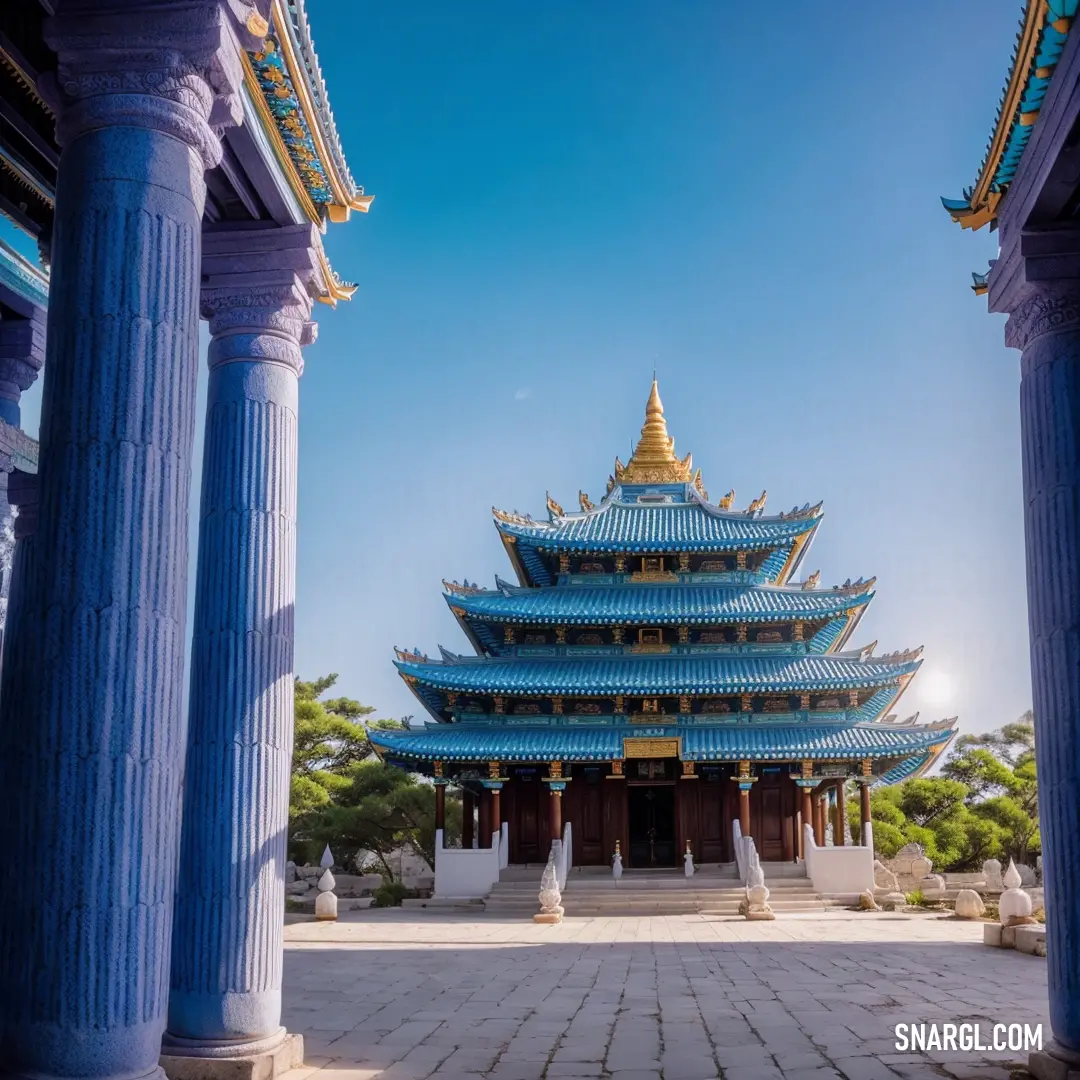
(745, 781)
(484, 818)
(840, 837)
(744, 810)
(468, 805)
(440, 804)
(496, 809)
(864, 806)
(807, 817)
(819, 819)
(555, 821)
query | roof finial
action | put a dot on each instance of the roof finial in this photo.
(653, 460)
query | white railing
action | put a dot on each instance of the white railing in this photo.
(838, 870)
(563, 850)
(746, 854)
(468, 873)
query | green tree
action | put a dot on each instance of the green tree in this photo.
(983, 805)
(329, 737)
(344, 796)
(380, 811)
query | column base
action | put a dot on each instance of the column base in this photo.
(262, 1059)
(155, 1073)
(1054, 1063)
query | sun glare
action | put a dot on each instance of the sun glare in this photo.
(936, 687)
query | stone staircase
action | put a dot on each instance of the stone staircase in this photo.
(713, 890)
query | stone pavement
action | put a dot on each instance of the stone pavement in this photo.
(383, 995)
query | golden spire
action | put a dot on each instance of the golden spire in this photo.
(654, 460)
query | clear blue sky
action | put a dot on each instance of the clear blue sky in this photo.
(570, 194)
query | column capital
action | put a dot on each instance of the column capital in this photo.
(1051, 307)
(258, 288)
(1035, 282)
(22, 353)
(24, 494)
(172, 68)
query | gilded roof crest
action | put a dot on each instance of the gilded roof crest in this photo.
(653, 460)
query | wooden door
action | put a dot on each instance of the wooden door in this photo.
(587, 822)
(527, 815)
(712, 827)
(687, 818)
(767, 817)
(616, 821)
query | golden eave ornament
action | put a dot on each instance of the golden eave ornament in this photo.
(653, 460)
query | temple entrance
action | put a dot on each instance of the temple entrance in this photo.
(652, 824)
(772, 815)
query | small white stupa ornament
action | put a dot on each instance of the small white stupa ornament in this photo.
(688, 861)
(326, 901)
(757, 892)
(1014, 905)
(616, 864)
(551, 910)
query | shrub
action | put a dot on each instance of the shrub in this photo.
(916, 898)
(390, 895)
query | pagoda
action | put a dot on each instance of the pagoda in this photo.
(657, 673)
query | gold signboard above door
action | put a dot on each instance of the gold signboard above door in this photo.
(650, 748)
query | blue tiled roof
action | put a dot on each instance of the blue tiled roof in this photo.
(907, 769)
(672, 605)
(692, 526)
(755, 742)
(703, 673)
(27, 281)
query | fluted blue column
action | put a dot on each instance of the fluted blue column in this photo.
(1046, 326)
(227, 952)
(91, 731)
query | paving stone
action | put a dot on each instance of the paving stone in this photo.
(759, 1072)
(863, 1068)
(390, 995)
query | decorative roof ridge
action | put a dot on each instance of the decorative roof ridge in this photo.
(452, 659)
(290, 95)
(910, 723)
(512, 517)
(723, 508)
(857, 590)
(464, 588)
(892, 718)
(804, 511)
(557, 515)
(1044, 29)
(411, 656)
(508, 587)
(321, 98)
(901, 656)
(849, 585)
